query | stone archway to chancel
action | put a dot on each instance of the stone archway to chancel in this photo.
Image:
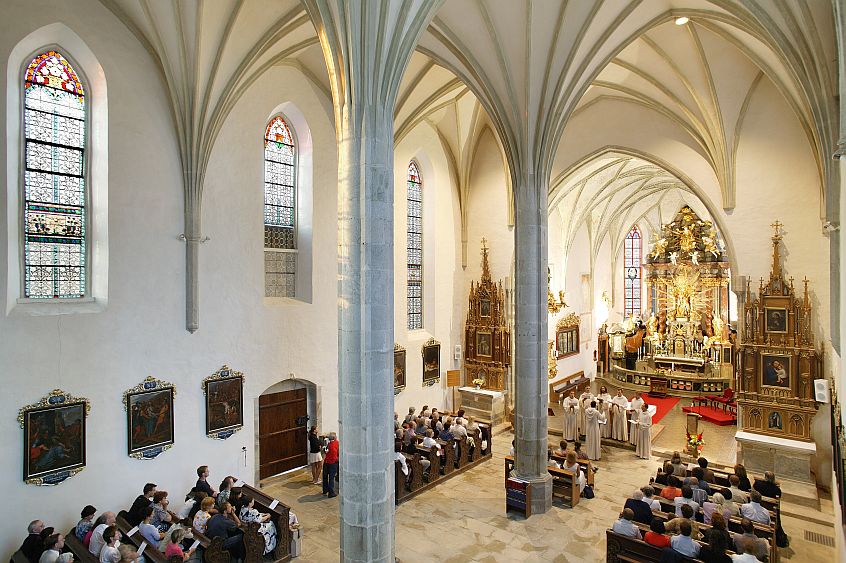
(284, 412)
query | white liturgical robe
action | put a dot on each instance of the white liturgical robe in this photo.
(593, 418)
(571, 415)
(619, 418)
(644, 439)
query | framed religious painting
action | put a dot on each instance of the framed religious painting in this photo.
(776, 370)
(54, 438)
(224, 392)
(484, 344)
(485, 308)
(776, 320)
(775, 422)
(149, 418)
(399, 369)
(431, 362)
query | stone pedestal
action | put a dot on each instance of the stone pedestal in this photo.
(483, 404)
(788, 459)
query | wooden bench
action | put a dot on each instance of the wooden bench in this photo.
(625, 548)
(564, 483)
(279, 515)
(770, 505)
(151, 552)
(561, 387)
(585, 464)
(80, 552)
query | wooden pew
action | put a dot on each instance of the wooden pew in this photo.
(563, 482)
(565, 485)
(621, 548)
(658, 488)
(80, 552)
(151, 552)
(279, 515)
(449, 456)
(586, 465)
(400, 490)
(19, 557)
(434, 461)
(721, 481)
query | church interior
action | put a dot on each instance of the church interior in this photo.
(595, 237)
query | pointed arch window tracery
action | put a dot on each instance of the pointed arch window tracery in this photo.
(414, 236)
(632, 272)
(54, 183)
(280, 209)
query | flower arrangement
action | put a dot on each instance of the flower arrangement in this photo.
(695, 442)
(478, 382)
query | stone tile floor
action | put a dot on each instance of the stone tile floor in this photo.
(463, 519)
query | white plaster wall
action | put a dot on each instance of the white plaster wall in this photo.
(141, 332)
(441, 263)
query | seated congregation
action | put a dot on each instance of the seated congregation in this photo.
(696, 512)
(232, 523)
(435, 446)
(571, 471)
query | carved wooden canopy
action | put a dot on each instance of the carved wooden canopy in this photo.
(487, 342)
(778, 359)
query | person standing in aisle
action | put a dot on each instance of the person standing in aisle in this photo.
(330, 466)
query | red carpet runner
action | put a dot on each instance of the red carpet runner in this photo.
(716, 416)
(664, 406)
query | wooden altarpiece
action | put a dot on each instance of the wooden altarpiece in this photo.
(487, 342)
(778, 359)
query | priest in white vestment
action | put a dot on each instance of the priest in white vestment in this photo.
(619, 418)
(593, 418)
(584, 402)
(644, 430)
(637, 402)
(571, 415)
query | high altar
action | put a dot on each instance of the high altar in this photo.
(487, 347)
(686, 350)
(778, 365)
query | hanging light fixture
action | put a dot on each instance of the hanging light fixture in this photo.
(682, 20)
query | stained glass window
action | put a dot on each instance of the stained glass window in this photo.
(280, 197)
(631, 258)
(54, 222)
(415, 247)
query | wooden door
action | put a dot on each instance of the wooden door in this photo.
(283, 432)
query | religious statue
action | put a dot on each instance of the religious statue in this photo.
(651, 325)
(717, 324)
(660, 246)
(674, 257)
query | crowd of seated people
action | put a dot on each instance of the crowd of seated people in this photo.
(703, 504)
(206, 511)
(433, 426)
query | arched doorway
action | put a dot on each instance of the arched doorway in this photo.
(284, 411)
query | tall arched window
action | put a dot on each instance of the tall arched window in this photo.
(280, 204)
(415, 247)
(54, 206)
(632, 272)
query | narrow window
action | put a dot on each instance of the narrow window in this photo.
(54, 206)
(280, 201)
(632, 272)
(415, 248)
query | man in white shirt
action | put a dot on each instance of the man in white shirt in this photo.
(430, 441)
(398, 456)
(683, 543)
(624, 525)
(53, 550)
(686, 498)
(649, 499)
(96, 544)
(753, 509)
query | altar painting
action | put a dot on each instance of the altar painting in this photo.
(775, 370)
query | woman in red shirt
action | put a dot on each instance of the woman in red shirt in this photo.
(330, 466)
(655, 536)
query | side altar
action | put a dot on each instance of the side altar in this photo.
(778, 365)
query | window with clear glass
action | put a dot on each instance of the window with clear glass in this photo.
(631, 258)
(415, 247)
(54, 206)
(280, 211)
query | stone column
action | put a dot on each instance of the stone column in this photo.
(367, 45)
(531, 381)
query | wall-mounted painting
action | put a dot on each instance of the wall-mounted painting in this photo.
(149, 415)
(224, 391)
(775, 370)
(54, 438)
(484, 344)
(431, 362)
(399, 368)
(776, 320)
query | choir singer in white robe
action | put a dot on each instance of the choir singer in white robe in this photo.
(644, 430)
(619, 414)
(571, 415)
(584, 402)
(637, 401)
(605, 406)
(593, 418)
